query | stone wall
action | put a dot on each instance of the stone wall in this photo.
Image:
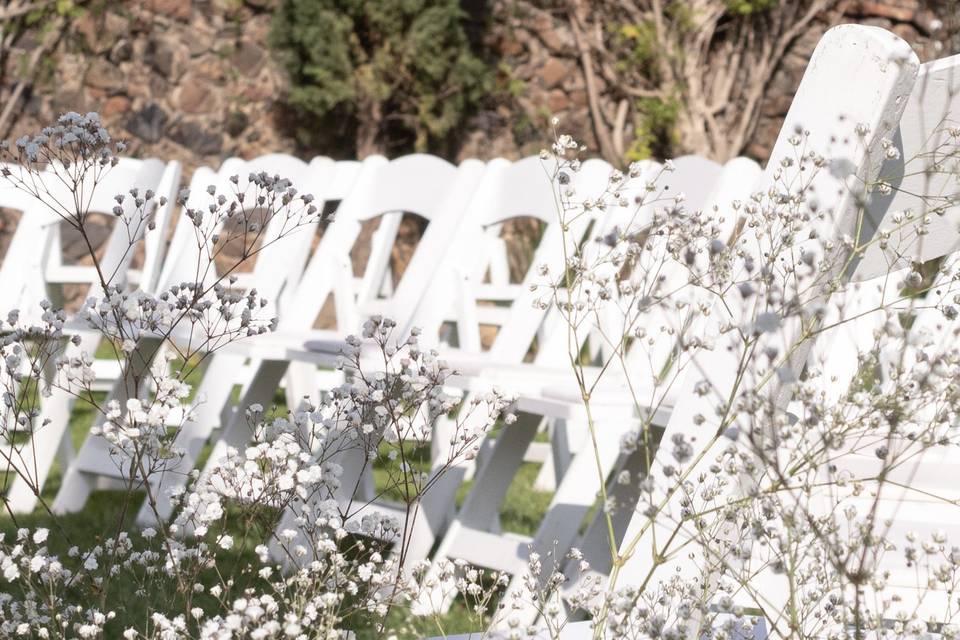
(909, 19)
(193, 80)
(190, 80)
(539, 49)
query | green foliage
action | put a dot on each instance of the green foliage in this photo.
(404, 67)
(506, 82)
(750, 7)
(42, 15)
(636, 46)
(638, 51)
(654, 128)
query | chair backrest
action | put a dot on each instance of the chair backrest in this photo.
(39, 242)
(524, 189)
(868, 349)
(507, 191)
(693, 176)
(423, 185)
(846, 56)
(155, 242)
(920, 215)
(516, 336)
(651, 357)
(669, 326)
(275, 263)
(921, 173)
(163, 179)
(278, 265)
(183, 252)
(329, 182)
(22, 257)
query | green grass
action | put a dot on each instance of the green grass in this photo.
(522, 511)
(523, 506)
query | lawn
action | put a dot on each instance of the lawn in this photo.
(522, 511)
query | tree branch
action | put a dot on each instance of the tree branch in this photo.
(586, 62)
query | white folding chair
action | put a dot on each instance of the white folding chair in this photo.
(458, 289)
(189, 261)
(384, 189)
(917, 496)
(550, 392)
(45, 273)
(847, 59)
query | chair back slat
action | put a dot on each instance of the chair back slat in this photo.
(419, 184)
(922, 176)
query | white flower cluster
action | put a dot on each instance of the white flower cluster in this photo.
(139, 427)
(279, 539)
(77, 137)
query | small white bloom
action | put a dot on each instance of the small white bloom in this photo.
(11, 572)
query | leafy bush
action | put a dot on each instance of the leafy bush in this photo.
(397, 74)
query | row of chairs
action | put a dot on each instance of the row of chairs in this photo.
(880, 119)
(872, 80)
(460, 265)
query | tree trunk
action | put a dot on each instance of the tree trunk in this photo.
(369, 118)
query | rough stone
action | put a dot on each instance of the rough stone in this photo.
(554, 72)
(555, 39)
(103, 75)
(114, 106)
(72, 69)
(237, 122)
(510, 47)
(209, 67)
(247, 58)
(163, 58)
(158, 85)
(557, 101)
(69, 101)
(36, 108)
(200, 43)
(906, 31)
(257, 92)
(175, 9)
(122, 51)
(202, 69)
(194, 95)
(883, 10)
(99, 31)
(194, 137)
(148, 124)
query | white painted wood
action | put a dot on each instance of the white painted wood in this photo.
(920, 494)
(330, 268)
(277, 268)
(879, 110)
(580, 630)
(505, 191)
(847, 56)
(186, 257)
(25, 253)
(882, 68)
(43, 273)
(578, 483)
(923, 176)
(570, 631)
